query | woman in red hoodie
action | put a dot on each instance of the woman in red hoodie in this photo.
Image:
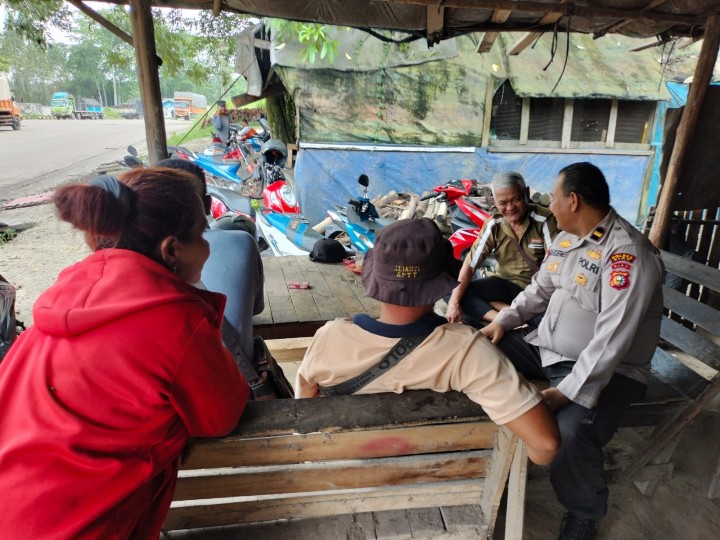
(123, 365)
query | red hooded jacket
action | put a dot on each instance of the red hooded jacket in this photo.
(123, 364)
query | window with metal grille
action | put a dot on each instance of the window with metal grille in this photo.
(506, 114)
(590, 120)
(633, 120)
(546, 119)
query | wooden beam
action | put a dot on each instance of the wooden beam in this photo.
(369, 443)
(522, 43)
(193, 516)
(499, 16)
(648, 45)
(245, 99)
(217, 4)
(686, 129)
(147, 67)
(616, 26)
(515, 513)
(102, 21)
(668, 432)
(612, 124)
(567, 124)
(524, 121)
(435, 22)
(487, 113)
(565, 10)
(503, 454)
(321, 476)
(486, 42)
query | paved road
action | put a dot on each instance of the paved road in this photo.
(45, 153)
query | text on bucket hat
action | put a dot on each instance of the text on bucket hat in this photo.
(408, 266)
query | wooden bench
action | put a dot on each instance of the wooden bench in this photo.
(292, 459)
(334, 292)
(681, 385)
(292, 150)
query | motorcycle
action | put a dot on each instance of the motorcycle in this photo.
(244, 152)
(467, 217)
(360, 219)
(278, 219)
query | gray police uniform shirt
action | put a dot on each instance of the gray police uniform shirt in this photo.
(602, 299)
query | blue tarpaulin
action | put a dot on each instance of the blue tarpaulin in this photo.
(328, 176)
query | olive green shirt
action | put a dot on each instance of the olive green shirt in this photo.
(538, 232)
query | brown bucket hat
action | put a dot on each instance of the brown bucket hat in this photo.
(409, 264)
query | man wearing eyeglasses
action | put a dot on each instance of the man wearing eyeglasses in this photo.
(518, 236)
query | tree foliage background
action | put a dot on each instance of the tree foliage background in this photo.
(197, 53)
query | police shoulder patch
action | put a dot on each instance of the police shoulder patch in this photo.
(624, 257)
(620, 279)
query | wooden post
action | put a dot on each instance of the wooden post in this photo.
(686, 129)
(147, 66)
(487, 113)
(524, 121)
(95, 16)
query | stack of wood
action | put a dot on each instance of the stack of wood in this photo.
(236, 115)
(396, 205)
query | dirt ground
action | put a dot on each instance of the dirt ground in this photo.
(679, 509)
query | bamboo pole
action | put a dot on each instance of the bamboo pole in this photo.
(686, 129)
(147, 66)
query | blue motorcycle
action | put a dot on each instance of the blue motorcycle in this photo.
(360, 219)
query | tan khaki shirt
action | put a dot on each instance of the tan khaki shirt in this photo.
(602, 299)
(495, 237)
(452, 357)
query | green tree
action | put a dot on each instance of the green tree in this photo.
(32, 18)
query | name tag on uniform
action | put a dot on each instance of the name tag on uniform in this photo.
(536, 243)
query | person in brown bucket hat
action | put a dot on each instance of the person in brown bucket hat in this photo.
(410, 264)
(410, 347)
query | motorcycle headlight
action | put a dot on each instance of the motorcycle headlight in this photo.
(288, 196)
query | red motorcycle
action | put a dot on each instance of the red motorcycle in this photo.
(467, 216)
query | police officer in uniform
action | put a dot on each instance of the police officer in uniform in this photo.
(600, 290)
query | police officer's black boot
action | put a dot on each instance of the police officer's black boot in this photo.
(572, 528)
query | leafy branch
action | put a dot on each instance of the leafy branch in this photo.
(314, 37)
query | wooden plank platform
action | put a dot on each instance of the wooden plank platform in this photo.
(334, 292)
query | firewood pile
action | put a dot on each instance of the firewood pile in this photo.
(404, 205)
(236, 115)
(394, 205)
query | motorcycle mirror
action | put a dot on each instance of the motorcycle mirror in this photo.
(131, 150)
(133, 162)
(364, 181)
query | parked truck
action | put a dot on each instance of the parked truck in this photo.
(131, 109)
(189, 105)
(64, 105)
(10, 114)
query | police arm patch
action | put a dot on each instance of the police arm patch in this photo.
(620, 279)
